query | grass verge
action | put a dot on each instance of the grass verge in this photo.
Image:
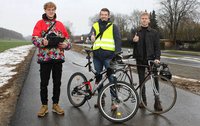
(4, 45)
(183, 52)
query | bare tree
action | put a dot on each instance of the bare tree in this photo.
(135, 19)
(95, 18)
(122, 21)
(69, 27)
(189, 30)
(173, 11)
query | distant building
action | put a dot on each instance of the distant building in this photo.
(78, 39)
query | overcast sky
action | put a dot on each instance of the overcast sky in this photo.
(22, 15)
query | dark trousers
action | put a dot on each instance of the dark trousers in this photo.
(141, 75)
(98, 65)
(45, 71)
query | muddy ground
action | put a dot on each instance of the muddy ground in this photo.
(10, 92)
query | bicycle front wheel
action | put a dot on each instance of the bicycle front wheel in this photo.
(115, 108)
(76, 89)
(158, 95)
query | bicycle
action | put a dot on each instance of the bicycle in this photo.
(164, 90)
(80, 90)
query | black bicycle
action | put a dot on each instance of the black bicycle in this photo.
(80, 90)
(157, 84)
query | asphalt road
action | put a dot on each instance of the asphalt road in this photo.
(186, 66)
(172, 58)
(186, 111)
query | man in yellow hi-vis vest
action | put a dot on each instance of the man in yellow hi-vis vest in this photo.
(106, 40)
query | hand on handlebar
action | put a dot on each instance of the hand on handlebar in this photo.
(157, 61)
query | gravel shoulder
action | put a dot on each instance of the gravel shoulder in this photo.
(187, 78)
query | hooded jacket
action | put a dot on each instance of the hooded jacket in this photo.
(45, 54)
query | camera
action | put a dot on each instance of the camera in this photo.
(54, 40)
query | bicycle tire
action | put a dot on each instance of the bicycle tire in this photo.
(125, 109)
(167, 94)
(122, 75)
(79, 99)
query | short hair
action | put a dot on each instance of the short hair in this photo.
(49, 5)
(105, 9)
(145, 14)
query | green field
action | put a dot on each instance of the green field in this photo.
(7, 44)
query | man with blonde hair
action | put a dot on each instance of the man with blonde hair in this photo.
(146, 45)
(49, 35)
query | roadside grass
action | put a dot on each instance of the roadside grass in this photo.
(79, 48)
(183, 52)
(7, 44)
(170, 56)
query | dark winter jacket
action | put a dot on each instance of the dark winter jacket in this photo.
(152, 43)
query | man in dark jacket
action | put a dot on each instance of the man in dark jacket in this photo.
(106, 42)
(146, 45)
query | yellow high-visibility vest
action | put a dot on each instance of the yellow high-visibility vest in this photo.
(105, 42)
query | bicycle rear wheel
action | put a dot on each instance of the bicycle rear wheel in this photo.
(160, 91)
(122, 75)
(76, 89)
(123, 110)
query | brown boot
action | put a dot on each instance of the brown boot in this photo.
(157, 105)
(57, 109)
(43, 111)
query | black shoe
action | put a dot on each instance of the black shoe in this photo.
(96, 106)
(102, 103)
(157, 105)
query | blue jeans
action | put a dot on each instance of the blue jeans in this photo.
(98, 66)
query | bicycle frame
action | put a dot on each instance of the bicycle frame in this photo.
(150, 73)
(160, 88)
(117, 94)
(92, 88)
